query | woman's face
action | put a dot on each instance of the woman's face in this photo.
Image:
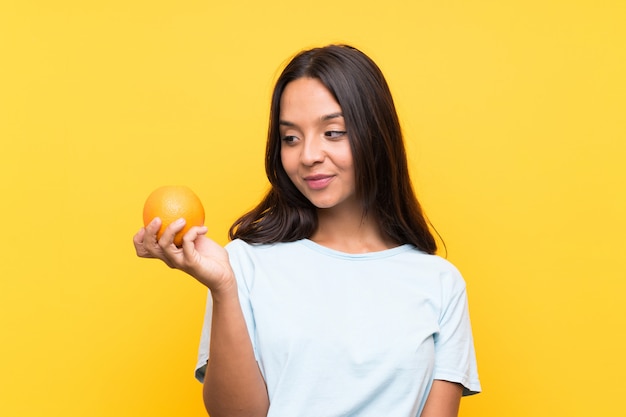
(315, 150)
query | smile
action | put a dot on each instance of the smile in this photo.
(317, 182)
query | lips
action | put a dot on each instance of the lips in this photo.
(317, 182)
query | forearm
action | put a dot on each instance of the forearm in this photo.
(233, 384)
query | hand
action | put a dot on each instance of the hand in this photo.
(199, 256)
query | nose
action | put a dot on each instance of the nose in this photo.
(312, 151)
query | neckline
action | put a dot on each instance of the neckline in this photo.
(385, 253)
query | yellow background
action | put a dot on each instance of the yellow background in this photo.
(514, 118)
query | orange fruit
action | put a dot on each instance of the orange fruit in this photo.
(171, 203)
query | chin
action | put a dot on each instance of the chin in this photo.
(323, 206)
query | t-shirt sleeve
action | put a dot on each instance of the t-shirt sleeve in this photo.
(243, 268)
(455, 357)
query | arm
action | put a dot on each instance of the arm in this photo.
(233, 384)
(443, 400)
(454, 351)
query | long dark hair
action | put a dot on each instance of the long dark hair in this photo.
(380, 163)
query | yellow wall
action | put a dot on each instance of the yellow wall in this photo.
(514, 115)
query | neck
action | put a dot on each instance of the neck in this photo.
(349, 232)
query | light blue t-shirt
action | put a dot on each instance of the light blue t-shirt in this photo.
(359, 335)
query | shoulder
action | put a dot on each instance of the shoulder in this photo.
(435, 263)
(251, 262)
(439, 271)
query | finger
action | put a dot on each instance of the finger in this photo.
(138, 243)
(191, 243)
(167, 239)
(149, 242)
(193, 233)
(153, 228)
(189, 239)
(138, 238)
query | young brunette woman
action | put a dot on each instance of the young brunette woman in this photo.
(329, 300)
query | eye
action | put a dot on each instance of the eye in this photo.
(334, 134)
(288, 139)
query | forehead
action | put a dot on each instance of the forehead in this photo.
(307, 96)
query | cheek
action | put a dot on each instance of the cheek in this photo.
(344, 159)
(288, 160)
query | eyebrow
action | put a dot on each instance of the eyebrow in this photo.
(323, 119)
(331, 116)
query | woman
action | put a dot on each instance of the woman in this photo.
(329, 300)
